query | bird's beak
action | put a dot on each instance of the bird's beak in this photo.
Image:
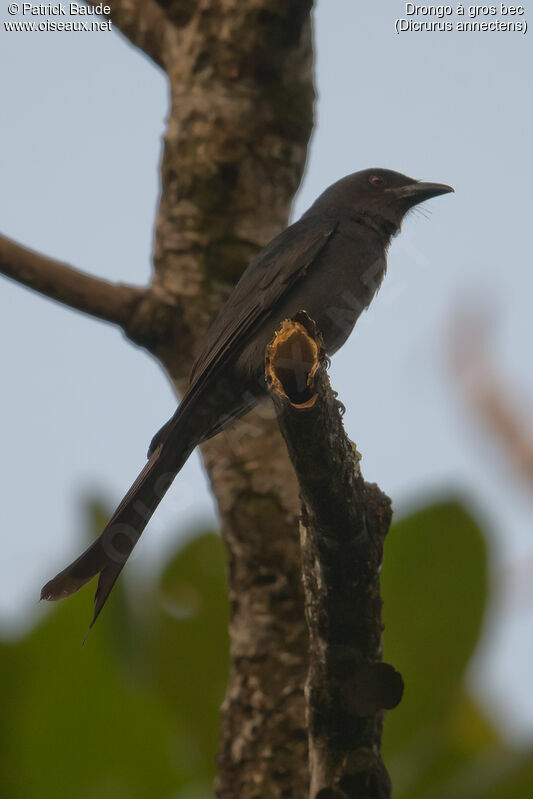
(416, 193)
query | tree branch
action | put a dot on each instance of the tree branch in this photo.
(111, 302)
(343, 528)
(143, 22)
(241, 112)
(491, 398)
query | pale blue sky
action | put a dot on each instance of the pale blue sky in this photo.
(82, 119)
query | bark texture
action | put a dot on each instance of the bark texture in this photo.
(344, 524)
(241, 111)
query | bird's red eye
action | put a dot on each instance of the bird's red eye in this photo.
(375, 180)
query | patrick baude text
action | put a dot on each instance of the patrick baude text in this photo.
(62, 9)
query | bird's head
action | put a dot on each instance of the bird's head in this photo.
(378, 194)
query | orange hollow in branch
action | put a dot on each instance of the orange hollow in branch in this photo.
(292, 359)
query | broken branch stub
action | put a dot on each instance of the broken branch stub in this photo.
(292, 360)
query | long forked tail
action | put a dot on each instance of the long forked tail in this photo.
(108, 554)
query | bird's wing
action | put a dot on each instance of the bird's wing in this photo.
(286, 259)
(282, 262)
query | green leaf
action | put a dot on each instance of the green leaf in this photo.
(73, 722)
(435, 589)
(133, 714)
(191, 646)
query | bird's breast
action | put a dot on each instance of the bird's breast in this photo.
(341, 284)
(336, 288)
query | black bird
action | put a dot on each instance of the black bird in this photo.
(330, 264)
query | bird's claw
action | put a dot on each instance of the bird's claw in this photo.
(340, 405)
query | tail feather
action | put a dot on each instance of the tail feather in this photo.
(108, 554)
